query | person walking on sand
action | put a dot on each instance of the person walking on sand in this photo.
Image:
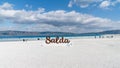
(95, 37)
(38, 39)
(24, 40)
(99, 36)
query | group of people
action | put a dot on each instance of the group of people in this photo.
(104, 36)
(27, 39)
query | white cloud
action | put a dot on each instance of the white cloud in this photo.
(108, 3)
(70, 4)
(97, 3)
(59, 20)
(115, 2)
(105, 4)
(6, 6)
(28, 6)
(82, 3)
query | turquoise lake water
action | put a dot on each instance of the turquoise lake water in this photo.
(29, 38)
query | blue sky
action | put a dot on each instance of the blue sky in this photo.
(60, 15)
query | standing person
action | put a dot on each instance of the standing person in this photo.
(99, 36)
(95, 37)
(38, 39)
(23, 40)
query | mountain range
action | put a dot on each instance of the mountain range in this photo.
(26, 33)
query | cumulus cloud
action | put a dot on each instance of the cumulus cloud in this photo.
(81, 3)
(97, 3)
(57, 20)
(105, 4)
(108, 3)
(6, 6)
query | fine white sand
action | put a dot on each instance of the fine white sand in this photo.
(80, 53)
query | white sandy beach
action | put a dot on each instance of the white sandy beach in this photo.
(82, 53)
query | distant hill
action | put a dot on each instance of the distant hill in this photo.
(110, 32)
(25, 33)
(101, 33)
